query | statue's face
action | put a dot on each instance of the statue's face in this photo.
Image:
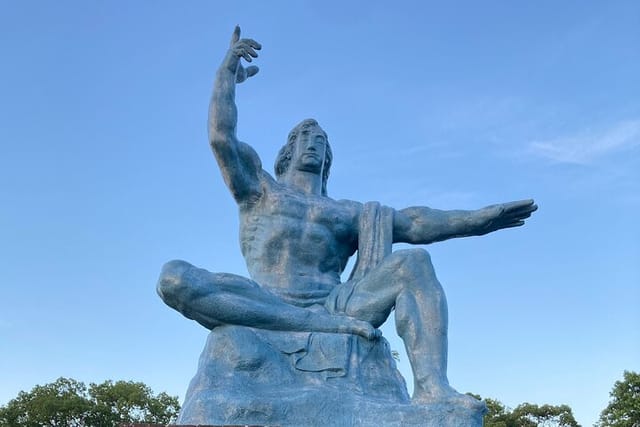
(310, 150)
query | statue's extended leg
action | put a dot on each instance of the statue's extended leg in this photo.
(406, 280)
(214, 299)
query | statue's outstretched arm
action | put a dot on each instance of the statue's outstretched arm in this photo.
(422, 225)
(239, 163)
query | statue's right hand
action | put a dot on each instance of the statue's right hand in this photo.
(242, 48)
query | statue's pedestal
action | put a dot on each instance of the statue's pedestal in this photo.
(375, 415)
(254, 377)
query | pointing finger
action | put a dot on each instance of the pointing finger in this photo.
(236, 35)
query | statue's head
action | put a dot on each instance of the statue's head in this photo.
(286, 153)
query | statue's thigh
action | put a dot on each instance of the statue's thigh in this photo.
(371, 298)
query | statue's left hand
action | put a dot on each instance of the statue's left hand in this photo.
(505, 215)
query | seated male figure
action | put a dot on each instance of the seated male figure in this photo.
(297, 241)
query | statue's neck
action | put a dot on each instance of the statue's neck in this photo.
(305, 182)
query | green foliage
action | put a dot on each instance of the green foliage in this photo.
(527, 415)
(624, 408)
(68, 403)
(498, 415)
(545, 415)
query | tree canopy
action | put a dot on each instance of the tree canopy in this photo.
(70, 403)
(528, 415)
(624, 407)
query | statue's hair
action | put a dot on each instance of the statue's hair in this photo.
(283, 160)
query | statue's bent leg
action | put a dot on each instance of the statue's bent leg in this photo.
(215, 299)
(407, 281)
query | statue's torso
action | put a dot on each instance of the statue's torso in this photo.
(295, 241)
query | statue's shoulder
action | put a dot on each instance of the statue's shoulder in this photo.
(349, 203)
(354, 208)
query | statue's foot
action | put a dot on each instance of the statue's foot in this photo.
(445, 394)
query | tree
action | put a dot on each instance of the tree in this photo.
(68, 403)
(545, 415)
(128, 402)
(62, 403)
(624, 407)
(498, 415)
(527, 415)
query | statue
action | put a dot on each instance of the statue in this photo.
(296, 242)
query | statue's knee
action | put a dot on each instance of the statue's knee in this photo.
(414, 257)
(403, 257)
(415, 269)
(171, 281)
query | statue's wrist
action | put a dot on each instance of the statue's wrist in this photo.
(480, 221)
(230, 62)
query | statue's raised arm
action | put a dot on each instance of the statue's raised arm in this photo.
(239, 163)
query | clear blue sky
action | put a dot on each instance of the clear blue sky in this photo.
(105, 174)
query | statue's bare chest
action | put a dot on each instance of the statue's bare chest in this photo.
(311, 230)
(309, 209)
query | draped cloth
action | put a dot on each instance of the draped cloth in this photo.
(375, 238)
